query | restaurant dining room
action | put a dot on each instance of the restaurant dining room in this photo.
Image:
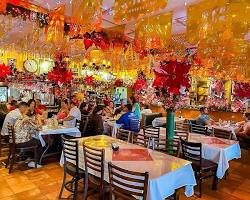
(125, 99)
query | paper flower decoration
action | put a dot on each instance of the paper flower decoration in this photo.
(241, 90)
(4, 70)
(89, 80)
(60, 75)
(172, 81)
(118, 83)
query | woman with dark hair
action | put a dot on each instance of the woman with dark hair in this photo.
(95, 123)
(64, 111)
(32, 106)
(136, 107)
(83, 108)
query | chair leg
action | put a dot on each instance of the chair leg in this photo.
(200, 187)
(63, 184)
(75, 189)
(215, 181)
(8, 160)
(86, 185)
(12, 162)
(35, 157)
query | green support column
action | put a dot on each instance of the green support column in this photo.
(170, 125)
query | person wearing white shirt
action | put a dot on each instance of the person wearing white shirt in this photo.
(12, 117)
(74, 114)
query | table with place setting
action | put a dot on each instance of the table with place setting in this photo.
(165, 172)
(161, 121)
(54, 129)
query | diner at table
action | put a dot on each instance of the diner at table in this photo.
(124, 100)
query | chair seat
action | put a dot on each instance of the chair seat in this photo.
(205, 165)
(71, 169)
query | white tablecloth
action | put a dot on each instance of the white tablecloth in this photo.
(227, 128)
(160, 121)
(72, 131)
(218, 150)
(166, 173)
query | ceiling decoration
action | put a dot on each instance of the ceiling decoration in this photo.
(220, 28)
(153, 32)
(86, 16)
(125, 10)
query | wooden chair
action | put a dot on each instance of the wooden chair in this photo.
(220, 133)
(71, 167)
(135, 125)
(168, 146)
(181, 134)
(125, 184)
(198, 129)
(4, 145)
(203, 168)
(124, 135)
(94, 162)
(140, 139)
(152, 132)
(181, 126)
(14, 150)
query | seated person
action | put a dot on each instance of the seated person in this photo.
(40, 108)
(74, 114)
(95, 123)
(83, 108)
(243, 130)
(108, 111)
(126, 118)
(146, 109)
(12, 116)
(26, 129)
(12, 105)
(64, 111)
(204, 118)
(32, 106)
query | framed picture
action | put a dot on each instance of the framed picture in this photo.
(3, 93)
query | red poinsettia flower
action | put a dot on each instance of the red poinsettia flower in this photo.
(89, 80)
(60, 75)
(118, 83)
(139, 85)
(4, 70)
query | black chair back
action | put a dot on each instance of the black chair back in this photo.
(124, 135)
(168, 146)
(198, 129)
(220, 133)
(125, 184)
(152, 132)
(191, 151)
(83, 124)
(140, 139)
(181, 126)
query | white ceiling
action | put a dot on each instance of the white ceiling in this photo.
(177, 6)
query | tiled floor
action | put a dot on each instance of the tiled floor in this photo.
(44, 183)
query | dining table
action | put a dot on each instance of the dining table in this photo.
(230, 128)
(166, 173)
(161, 121)
(218, 150)
(49, 131)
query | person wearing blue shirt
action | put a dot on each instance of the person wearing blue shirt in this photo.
(126, 118)
(204, 118)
